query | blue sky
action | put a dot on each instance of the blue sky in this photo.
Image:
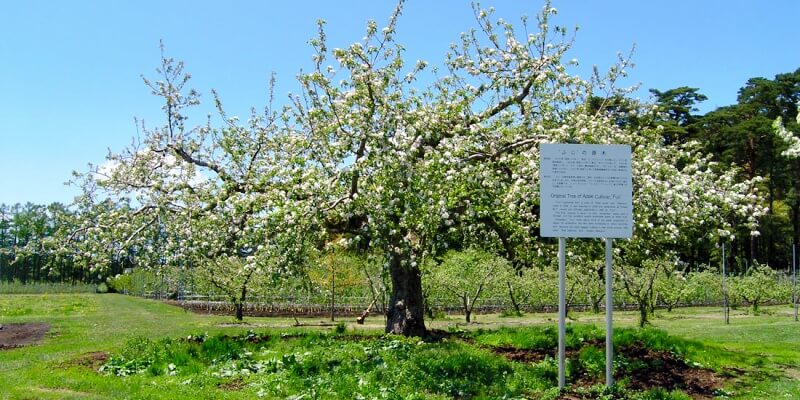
(70, 82)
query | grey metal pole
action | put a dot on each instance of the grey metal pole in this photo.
(746, 267)
(333, 291)
(794, 281)
(609, 317)
(724, 288)
(562, 310)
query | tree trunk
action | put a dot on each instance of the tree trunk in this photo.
(360, 320)
(514, 302)
(653, 305)
(467, 309)
(596, 305)
(428, 309)
(239, 310)
(405, 314)
(796, 220)
(643, 310)
(239, 304)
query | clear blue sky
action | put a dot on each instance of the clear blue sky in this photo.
(70, 83)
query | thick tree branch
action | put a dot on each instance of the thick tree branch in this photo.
(505, 149)
(224, 175)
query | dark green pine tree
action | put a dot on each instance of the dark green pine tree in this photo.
(677, 107)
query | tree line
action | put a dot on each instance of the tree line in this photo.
(29, 237)
(743, 136)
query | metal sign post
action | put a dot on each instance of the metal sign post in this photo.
(794, 282)
(609, 319)
(586, 191)
(726, 312)
(562, 309)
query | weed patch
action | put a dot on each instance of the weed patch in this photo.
(507, 363)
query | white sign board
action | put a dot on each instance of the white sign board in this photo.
(585, 190)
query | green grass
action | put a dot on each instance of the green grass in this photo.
(150, 343)
(83, 323)
(767, 346)
(773, 335)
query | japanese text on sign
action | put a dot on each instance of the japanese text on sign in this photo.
(585, 190)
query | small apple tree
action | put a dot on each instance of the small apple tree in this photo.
(468, 275)
(759, 285)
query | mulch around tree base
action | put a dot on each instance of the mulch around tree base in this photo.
(657, 369)
(665, 370)
(18, 335)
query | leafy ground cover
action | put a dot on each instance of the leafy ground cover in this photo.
(113, 346)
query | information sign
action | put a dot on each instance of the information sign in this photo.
(585, 191)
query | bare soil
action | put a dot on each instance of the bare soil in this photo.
(93, 360)
(658, 369)
(232, 385)
(18, 335)
(667, 371)
(520, 355)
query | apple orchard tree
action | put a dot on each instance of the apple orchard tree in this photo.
(402, 166)
(367, 153)
(221, 195)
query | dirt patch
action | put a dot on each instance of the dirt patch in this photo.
(519, 355)
(232, 385)
(665, 370)
(93, 360)
(18, 335)
(792, 373)
(653, 369)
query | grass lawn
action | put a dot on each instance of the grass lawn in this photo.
(768, 343)
(80, 324)
(762, 353)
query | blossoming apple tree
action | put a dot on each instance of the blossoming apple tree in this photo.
(401, 167)
(400, 158)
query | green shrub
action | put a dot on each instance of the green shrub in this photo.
(218, 348)
(459, 371)
(120, 283)
(760, 285)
